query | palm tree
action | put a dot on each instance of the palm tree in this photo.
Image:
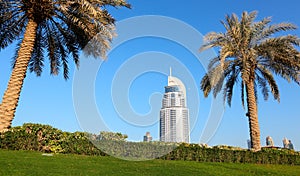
(56, 29)
(249, 55)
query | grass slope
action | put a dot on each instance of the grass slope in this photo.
(33, 163)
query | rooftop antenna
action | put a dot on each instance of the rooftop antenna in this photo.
(170, 71)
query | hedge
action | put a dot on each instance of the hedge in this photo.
(194, 152)
(45, 138)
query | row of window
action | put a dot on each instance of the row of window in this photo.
(168, 127)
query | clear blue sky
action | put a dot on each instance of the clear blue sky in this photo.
(48, 99)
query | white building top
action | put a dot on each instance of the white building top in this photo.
(173, 81)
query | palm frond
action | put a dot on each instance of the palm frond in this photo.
(267, 75)
(64, 28)
(230, 82)
(262, 83)
(243, 93)
(257, 29)
(53, 54)
(69, 40)
(11, 29)
(218, 86)
(36, 62)
(205, 85)
(269, 31)
(116, 3)
(213, 62)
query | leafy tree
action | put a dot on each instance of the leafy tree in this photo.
(54, 29)
(249, 55)
(111, 136)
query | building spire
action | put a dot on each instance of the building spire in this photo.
(170, 71)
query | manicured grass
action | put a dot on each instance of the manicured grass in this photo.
(33, 163)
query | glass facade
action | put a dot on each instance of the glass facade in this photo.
(172, 89)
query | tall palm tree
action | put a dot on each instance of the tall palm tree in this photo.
(57, 29)
(249, 55)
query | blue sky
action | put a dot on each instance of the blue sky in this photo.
(49, 99)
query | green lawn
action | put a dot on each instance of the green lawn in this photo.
(33, 163)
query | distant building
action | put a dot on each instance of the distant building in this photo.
(291, 146)
(285, 142)
(147, 137)
(269, 141)
(249, 144)
(174, 114)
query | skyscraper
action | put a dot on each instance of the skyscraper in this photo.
(147, 137)
(174, 114)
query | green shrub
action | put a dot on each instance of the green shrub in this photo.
(45, 138)
(194, 152)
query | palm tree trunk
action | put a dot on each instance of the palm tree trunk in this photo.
(11, 96)
(253, 117)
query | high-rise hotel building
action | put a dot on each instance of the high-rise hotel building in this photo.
(174, 114)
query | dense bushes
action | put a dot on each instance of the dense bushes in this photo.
(193, 152)
(135, 150)
(47, 139)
